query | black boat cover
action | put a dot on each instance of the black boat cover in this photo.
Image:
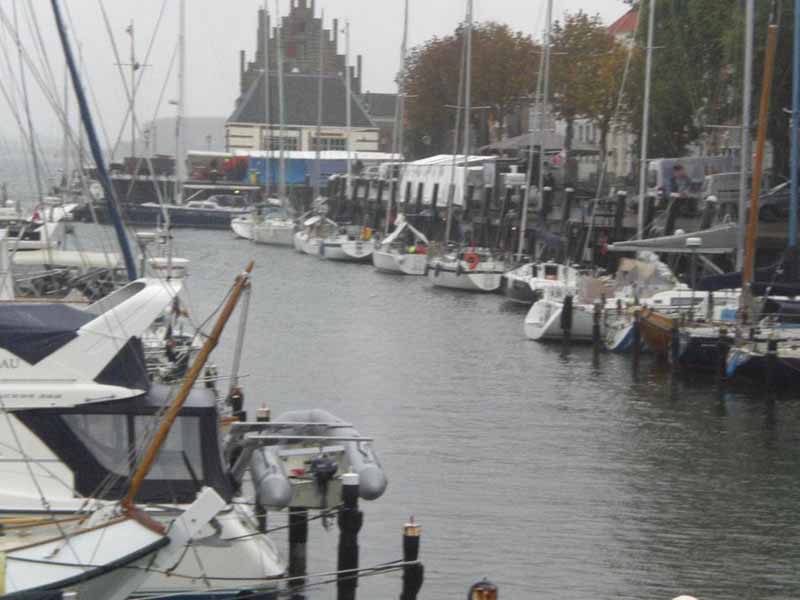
(34, 331)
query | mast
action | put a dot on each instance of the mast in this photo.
(267, 130)
(180, 161)
(543, 63)
(348, 105)
(648, 74)
(795, 129)
(65, 141)
(318, 150)
(545, 109)
(467, 66)
(758, 167)
(399, 112)
(281, 115)
(130, 32)
(97, 154)
(747, 91)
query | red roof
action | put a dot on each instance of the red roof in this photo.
(625, 24)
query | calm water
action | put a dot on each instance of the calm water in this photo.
(554, 476)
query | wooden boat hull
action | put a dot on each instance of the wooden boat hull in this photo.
(656, 330)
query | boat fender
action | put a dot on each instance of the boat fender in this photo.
(459, 270)
(436, 269)
(472, 260)
(270, 480)
(364, 461)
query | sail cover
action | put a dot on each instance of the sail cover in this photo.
(34, 331)
(717, 240)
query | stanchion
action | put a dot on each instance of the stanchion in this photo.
(413, 575)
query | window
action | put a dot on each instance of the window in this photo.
(289, 143)
(329, 144)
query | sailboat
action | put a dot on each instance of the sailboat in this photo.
(276, 228)
(472, 268)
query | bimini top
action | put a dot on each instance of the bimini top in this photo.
(54, 355)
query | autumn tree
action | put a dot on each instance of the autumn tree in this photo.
(588, 67)
(504, 68)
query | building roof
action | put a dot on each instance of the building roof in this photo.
(300, 101)
(380, 106)
(626, 24)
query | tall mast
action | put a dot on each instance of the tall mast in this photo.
(466, 82)
(180, 160)
(281, 155)
(467, 105)
(318, 149)
(545, 108)
(399, 112)
(543, 61)
(267, 129)
(795, 130)
(130, 31)
(65, 141)
(97, 153)
(648, 73)
(348, 105)
(761, 140)
(747, 91)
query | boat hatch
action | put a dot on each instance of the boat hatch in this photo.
(99, 444)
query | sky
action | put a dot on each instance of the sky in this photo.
(217, 30)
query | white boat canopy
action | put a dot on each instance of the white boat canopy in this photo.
(717, 240)
(402, 225)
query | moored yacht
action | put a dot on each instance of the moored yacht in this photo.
(470, 269)
(404, 251)
(525, 283)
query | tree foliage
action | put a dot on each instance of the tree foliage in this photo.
(504, 68)
(587, 69)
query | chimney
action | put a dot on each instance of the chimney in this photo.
(313, 8)
(336, 35)
(260, 34)
(358, 74)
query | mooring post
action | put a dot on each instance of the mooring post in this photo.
(723, 348)
(350, 520)
(675, 346)
(637, 339)
(298, 539)
(772, 363)
(414, 574)
(483, 590)
(598, 309)
(566, 318)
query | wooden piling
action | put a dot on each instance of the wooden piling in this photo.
(298, 540)
(350, 520)
(637, 339)
(566, 318)
(413, 575)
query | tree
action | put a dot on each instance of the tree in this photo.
(504, 68)
(698, 70)
(588, 65)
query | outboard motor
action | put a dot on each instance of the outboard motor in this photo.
(323, 468)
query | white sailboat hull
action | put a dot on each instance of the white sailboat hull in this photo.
(543, 321)
(482, 279)
(274, 234)
(395, 262)
(242, 227)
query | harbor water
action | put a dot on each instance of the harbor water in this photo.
(552, 474)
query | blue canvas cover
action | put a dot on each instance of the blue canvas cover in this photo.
(34, 331)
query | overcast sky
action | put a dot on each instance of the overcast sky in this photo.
(217, 30)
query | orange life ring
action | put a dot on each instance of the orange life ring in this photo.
(472, 260)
